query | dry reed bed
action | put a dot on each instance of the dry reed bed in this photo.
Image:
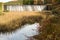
(13, 20)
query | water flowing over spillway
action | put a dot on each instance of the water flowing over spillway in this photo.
(26, 31)
(26, 7)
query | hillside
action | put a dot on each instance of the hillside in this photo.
(0, 6)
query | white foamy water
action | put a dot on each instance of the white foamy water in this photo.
(26, 7)
(26, 31)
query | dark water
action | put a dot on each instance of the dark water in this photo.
(24, 33)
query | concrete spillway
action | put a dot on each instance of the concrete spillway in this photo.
(25, 7)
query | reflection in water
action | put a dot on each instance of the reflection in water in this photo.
(21, 34)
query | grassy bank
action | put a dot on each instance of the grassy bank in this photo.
(9, 16)
(14, 20)
(14, 24)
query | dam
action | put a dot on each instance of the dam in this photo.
(25, 7)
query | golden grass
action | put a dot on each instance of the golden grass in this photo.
(12, 20)
(9, 16)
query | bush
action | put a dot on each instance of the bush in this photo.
(50, 29)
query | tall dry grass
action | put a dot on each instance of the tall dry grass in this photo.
(14, 20)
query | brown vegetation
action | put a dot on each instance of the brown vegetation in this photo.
(13, 20)
(50, 26)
